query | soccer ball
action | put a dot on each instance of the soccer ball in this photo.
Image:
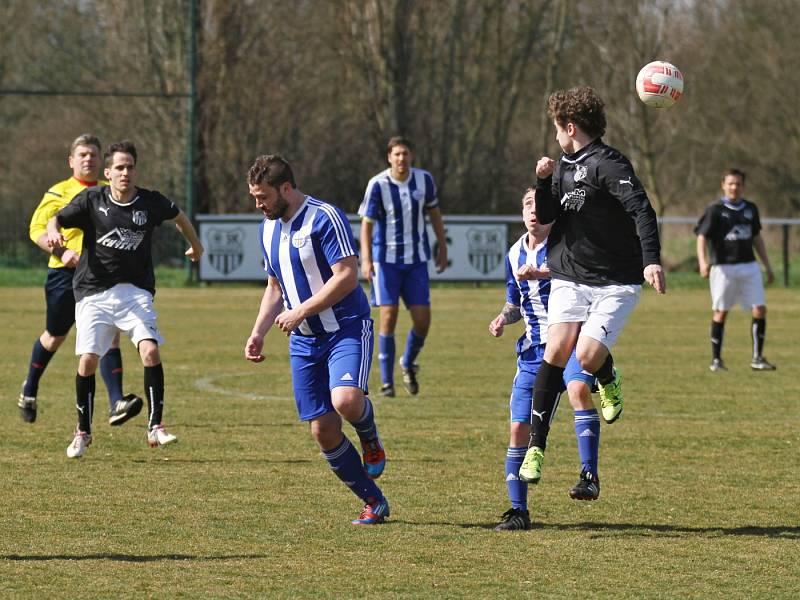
(659, 84)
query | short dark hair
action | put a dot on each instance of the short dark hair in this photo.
(271, 169)
(398, 140)
(580, 105)
(736, 173)
(125, 146)
(85, 139)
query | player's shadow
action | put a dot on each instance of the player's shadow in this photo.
(203, 461)
(132, 558)
(641, 529)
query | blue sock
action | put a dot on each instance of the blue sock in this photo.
(111, 371)
(517, 489)
(39, 359)
(587, 432)
(346, 463)
(386, 354)
(414, 344)
(365, 426)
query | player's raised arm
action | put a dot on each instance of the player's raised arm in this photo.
(271, 306)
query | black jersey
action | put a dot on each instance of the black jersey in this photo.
(117, 238)
(596, 204)
(730, 229)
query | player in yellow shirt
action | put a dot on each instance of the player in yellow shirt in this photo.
(84, 160)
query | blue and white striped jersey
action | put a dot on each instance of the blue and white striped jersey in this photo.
(398, 210)
(300, 252)
(531, 296)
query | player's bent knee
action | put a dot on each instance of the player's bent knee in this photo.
(148, 351)
(87, 364)
(519, 434)
(580, 397)
(51, 342)
(348, 401)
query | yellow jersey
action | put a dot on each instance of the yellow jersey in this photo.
(56, 198)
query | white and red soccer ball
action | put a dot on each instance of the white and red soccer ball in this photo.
(659, 84)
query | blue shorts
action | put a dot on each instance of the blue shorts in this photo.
(527, 368)
(390, 282)
(60, 301)
(323, 362)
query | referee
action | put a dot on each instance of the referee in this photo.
(729, 231)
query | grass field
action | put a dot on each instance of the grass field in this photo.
(700, 476)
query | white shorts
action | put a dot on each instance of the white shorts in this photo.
(603, 309)
(740, 283)
(124, 307)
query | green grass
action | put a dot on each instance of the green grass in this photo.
(699, 476)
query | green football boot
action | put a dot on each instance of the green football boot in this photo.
(611, 398)
(531, 469)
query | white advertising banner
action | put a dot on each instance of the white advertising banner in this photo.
(476, 247)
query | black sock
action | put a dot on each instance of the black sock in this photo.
(605, 374)
(84, 392)
(154, 393)
(717, 331)
(546, 390)
(758, 330)
(111, 372)
(40, 357)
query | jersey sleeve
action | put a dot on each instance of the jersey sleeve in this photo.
(756, 221)
(371, 207)
(76, 213)
(47, 209)
(335, 235)
(548, 203)
(619, 178)
(167, 209)
(705, 226)
(512, 288)
(267, 267)
(431, 195)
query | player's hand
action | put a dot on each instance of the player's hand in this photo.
(704, 270)
(530, 272)
(654, 275)
(366, 269)
(194, 253)
(253, 347)
(55, 239)
(497, 325)
(770, 276)
(545, 167)
(289, 320)
(441, 258)
(70, 259)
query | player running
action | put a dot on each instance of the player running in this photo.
(313, 296)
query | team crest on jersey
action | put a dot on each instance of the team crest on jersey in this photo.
(580, 173)
(299, 239)
(417, 195)
(139, 217)
(748, 214)
(485, 248)
(225, 249)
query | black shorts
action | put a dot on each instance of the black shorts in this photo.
(60, 301)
